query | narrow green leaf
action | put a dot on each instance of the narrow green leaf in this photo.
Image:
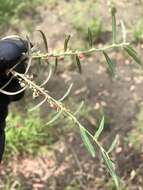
(132, 49)
(110, 167)
(124, 32)
(100, 129)
(44, 39)
(56, 65)
(66, 94)
(66, 42)
(87, 142)
(54, 118)
(113, 145)
(78, 63)
(111, 66)
(113, 13)
(79, 108)
(90, 39)
(133, 54)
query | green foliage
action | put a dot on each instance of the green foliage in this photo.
(110, 167)
(111, 186)
(8, 182)
(26, 135)
(44, 40)
(133, 54)
(100, 129)
(29, 134)
(11, 10)
(82, 20)
(111, 65)
(81, 26)
(138, 31)
(72, 187)
(87, 142)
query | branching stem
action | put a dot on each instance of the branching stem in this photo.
(76, 52)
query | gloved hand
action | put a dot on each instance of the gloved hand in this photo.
(12, 53)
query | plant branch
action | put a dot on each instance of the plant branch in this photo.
(60, 108)
(77, 52)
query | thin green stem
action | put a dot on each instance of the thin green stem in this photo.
(72, 52)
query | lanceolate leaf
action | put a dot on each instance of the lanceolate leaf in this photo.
(124, 32)
(113, 12)
(114, 143)
(67, 93)
(87, 142)
(90, 37)
(79, 108)
(100, 129)
(110, 167)
(132, 49)
(66, 42)
(54, 118)
(78, 63)
(111, 65)
(44, 39)
(133, 54)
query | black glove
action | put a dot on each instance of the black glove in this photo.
(12, 52)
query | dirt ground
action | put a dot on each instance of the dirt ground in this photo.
(67, 165)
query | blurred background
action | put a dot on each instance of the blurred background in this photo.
(53, 157)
